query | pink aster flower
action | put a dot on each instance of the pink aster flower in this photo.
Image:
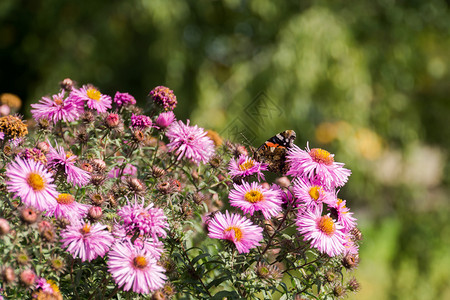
(311, 194)
(86, 241)
(93, 98)
(322, 232)
(190, 142)
(30, 181)
(2, 135)
(165, 119)
(156, 248)
(124, 99)
(344, 216)
(42, 284)
(140, 121)
(134, 268)
(68, 208)
(237, 229)
(253, 197)
(57, 109)
(148, 221)
(59, 159)
(164, 97)
(129, 170)
(317, 164)
(246, 166)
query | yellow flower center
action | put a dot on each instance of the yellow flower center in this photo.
(58, 101)
(94, 94)
(86, 229)
(326, 225)
(246, 165)
(314, 192)
(339, 201)
(53, 285)
(36, 182)
(253, 196)
(140, 262)
(321, 156)
(65, 199)
(237, 232)
(69, 154)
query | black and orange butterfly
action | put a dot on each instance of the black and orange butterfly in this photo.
(273, 151)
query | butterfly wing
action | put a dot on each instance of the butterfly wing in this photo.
(273, 151)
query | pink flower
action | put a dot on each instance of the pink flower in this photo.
(42, 284)
(30, 181)
(311, 194)
(124, 99)
(57, 109)
(149, 220)
(322, 232)
(246, 166)
(165, 119)
(141, 121)
(93, 98)
(164, 97)
(155, 248)
(58, 158)
(128, 170)
(68, 208)
(237, 229)
(190, 142)
(344, 216)
(317, 164)
(253, 197)
(86, 241)
(134, 268)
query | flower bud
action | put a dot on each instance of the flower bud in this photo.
(95, 212)
(112, 120)
(350, 261)
(67, 84)
(27, 277)
(353, 285)
(29, 215)
(158, 172)
(4, 227)
(97, 199)
(8, 275)
(283, 182)
(99, 164)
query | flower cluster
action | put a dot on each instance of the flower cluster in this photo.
(103, 199)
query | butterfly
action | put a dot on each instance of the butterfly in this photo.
(273, 151)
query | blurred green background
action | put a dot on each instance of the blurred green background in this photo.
(368, 80)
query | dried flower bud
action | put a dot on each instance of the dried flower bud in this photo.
(265, 271)
(57, 264)
(283, 182)
(169, 290)
(97, 199)
(350, 261)
(164, 187)
(158, 295)
(99, 164)
(158, 172)
(95, 212)
(138, 136)
(49, 235)
(4, 227)
(43, 146)
(339, 290)
(7, 150)
(82, 136)
(22, 258)
(44, 124)
(27, 277)
(97, 179)
(195, 175)
(67, 84)
(353, 285)
(330, 276)
(215, 161)
(29, 215)
(112, 200)
(199, 197)
(8, 275)
(88, 117)
(87, 167)
(136, 186)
